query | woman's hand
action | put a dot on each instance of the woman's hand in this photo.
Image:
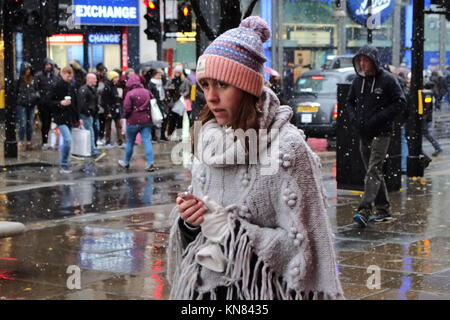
(191, 209)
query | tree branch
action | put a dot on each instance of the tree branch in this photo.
(249, 10)
(201, 21)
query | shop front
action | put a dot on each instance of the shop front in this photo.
(100, 34)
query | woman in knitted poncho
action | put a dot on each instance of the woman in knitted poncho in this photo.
(253, 224)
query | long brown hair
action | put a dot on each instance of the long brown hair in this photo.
(246, 118)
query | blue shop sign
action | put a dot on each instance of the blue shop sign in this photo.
(101, 12)
(381, 11)
(104, 38)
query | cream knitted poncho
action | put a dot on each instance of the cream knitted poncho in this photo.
(280, 244)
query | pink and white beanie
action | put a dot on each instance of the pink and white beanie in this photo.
(236, 57)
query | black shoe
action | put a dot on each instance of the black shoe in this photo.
(381, 216)
(150, 168)
(437, 152)
(362, 217)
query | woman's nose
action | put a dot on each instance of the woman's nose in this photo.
(211, 95)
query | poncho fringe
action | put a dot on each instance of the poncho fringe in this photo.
(242, 281)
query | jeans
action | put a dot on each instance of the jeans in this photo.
(67, 140)
(131, 132)
(426, 133)
(405, 150)
(26, 119)
(373, 154)
(88, 124)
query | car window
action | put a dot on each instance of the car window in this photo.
(324, 84)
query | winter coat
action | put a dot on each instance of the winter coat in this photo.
(374, 102)
(279, 243)
(27, 94)
(440, 85)
(67, 115)
(136, 106)
(111, 100)
(45, 80)
(87, 101)
(182, 87)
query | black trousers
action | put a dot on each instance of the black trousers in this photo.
(46, 120)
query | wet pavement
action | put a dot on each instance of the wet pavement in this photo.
(112, 225)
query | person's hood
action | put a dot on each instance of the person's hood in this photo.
(24, 66)
(134, 82)
(48, 60)
(369, 51)
(76, 65)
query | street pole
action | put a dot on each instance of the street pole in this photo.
(442, 32)
(396, 31)
(10, 147)
(369, 21)
(280, 37)
(275, 43)
(415, 164)
(342, 35)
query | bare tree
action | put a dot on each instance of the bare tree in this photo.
(230, 16)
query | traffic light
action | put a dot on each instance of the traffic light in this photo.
(184, 18)
(153, 30)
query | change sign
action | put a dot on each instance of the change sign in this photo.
(101, 12)
(381, 11)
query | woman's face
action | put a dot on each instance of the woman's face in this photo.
(223, 100)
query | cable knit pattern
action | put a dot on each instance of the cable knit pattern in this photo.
(281, 244)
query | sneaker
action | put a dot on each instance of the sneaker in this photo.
(124, 165)
(65, 170)
(437, 152)
(99, 156)
(381, 216)
(361, 217)
(150, 168)
(46, 146)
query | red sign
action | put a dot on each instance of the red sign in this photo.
(124, 48)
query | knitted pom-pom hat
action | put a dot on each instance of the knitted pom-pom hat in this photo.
(237, 57)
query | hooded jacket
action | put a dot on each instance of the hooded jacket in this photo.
(136, 107)
(27, 95)
(45, 80)
(279, 244)
(374, 102)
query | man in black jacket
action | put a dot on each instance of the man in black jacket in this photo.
(374, 101)
(62, 100)
(88, 108)
(45, 79)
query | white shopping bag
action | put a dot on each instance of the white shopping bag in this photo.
(81, 142)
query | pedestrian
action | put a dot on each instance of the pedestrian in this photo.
(136, 109)
(177, 87)
(156, 87)
(375, 100)
(113, 108)
(241, 232)
(439, 88)
(79, 74)
(45, 79)
(88, 109)
(100, 116)
(427, 123)
(62, 99)
(27, 97)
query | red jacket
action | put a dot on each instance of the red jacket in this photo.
(136, 107)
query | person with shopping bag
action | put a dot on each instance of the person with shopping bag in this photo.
(136, 110)
(156, 87)
(178, 89)
(62, 100)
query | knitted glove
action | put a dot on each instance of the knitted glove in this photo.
(215, 223)
(215, 229)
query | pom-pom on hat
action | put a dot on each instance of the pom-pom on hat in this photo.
(237, 57)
